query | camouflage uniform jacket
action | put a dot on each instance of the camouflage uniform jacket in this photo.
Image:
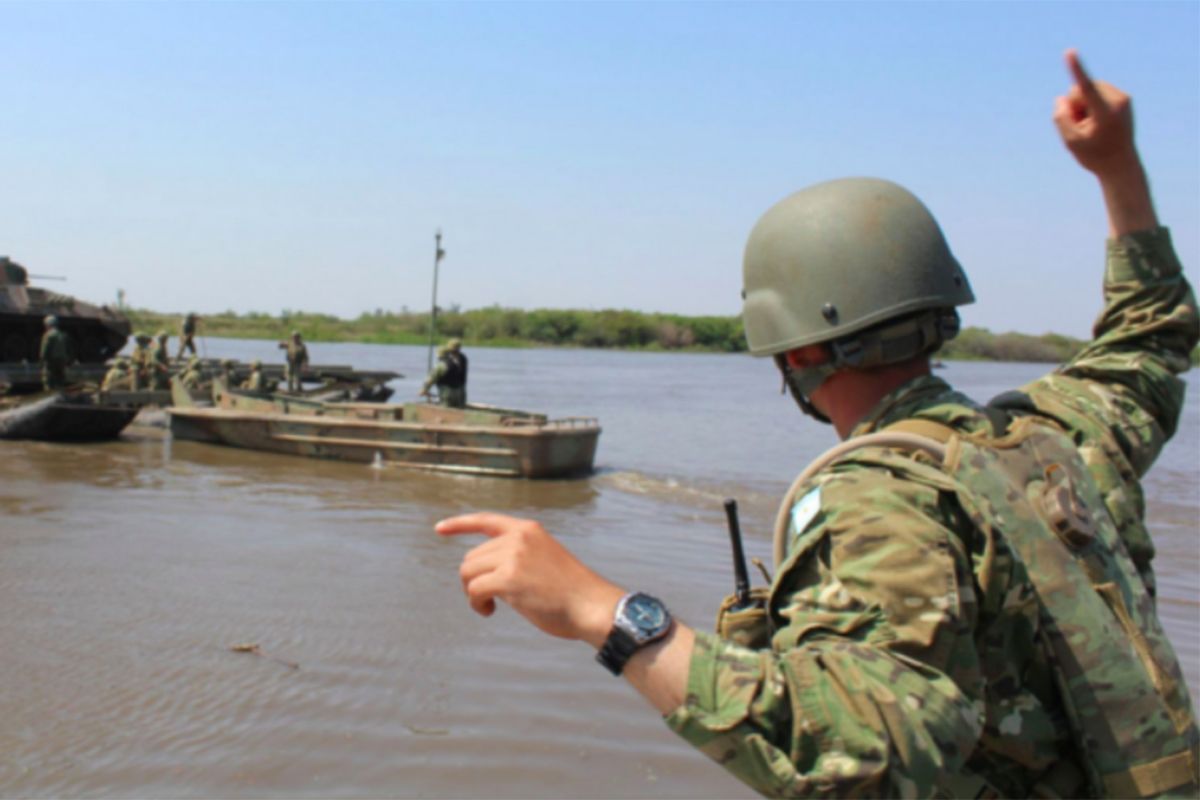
(255, 382)
(903, 656)
(116, 379)
(157, 365)
(453, 396)
(55, 348)
(297, 354)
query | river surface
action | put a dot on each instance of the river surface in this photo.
(129, 570)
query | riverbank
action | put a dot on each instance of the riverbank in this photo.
(608, 329)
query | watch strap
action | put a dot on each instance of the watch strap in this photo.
(617, 649)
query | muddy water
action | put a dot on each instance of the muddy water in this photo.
(129, 570)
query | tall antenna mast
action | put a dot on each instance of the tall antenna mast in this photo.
(438, 255)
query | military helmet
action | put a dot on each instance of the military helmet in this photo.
(256, 364)
(142, 338)
(50, 321)
(162, 335)
(454, 344)
(840, 257)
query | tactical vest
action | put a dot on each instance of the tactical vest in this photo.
(455, 376)
(1119, 681)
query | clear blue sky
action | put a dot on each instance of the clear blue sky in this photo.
(300, 156)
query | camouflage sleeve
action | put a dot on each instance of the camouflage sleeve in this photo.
(435, 375)
(1127, 377)
(872, 685)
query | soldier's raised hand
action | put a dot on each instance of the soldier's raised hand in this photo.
(1095, 120)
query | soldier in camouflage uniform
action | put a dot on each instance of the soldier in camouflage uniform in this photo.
(255, 381)
(117, 379)
(963, 603)
(55, 353)
(193, 375)
(449, 375)
(140, 362)
(297, 360)
(160, 362)
(187, 335)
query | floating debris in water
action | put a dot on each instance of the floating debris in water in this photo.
(253, 648)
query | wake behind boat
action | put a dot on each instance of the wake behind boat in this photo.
(480, 440)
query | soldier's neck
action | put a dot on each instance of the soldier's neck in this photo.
(848, 396)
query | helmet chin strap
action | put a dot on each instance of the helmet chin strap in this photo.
(801, 383)
(890, 343)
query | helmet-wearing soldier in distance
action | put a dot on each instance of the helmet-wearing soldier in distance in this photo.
(858, 265)
(50, 321)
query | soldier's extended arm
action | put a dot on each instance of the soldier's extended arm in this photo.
(860, 694)
(1123, 386)
(439, 369)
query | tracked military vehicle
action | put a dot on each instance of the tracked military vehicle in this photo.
(97, 332)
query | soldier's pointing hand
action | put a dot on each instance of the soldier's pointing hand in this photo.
(527, 568)
(1095, 120)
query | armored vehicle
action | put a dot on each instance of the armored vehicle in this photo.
(97, 332)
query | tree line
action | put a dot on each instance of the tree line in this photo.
(604, 329)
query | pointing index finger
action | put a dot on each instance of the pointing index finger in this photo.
(1082, 79)
(487, 523)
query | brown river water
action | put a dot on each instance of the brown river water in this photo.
(129, 570)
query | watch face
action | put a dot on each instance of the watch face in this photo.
(647, 615)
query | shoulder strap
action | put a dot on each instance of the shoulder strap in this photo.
(897, 436)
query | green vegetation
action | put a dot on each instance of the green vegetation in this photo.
(494, 326)
(610, 329)
(980, 344)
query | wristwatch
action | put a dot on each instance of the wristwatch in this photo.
(639, 620)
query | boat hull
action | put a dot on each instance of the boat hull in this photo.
(546, 450)
(66, 418)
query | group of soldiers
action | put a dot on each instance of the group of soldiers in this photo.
(150, 365)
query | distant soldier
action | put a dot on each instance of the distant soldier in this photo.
(160, 362)
(139, 363)
(255, 382)
(227, 371)
(55, 352)
(297, 360)
(118, 378)
(193, 375)
(187, 335)
(449, 375)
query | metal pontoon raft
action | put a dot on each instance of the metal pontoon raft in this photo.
(480, 440)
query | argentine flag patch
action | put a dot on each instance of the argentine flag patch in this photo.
(805, 510)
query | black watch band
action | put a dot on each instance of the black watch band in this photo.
(616, 651)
